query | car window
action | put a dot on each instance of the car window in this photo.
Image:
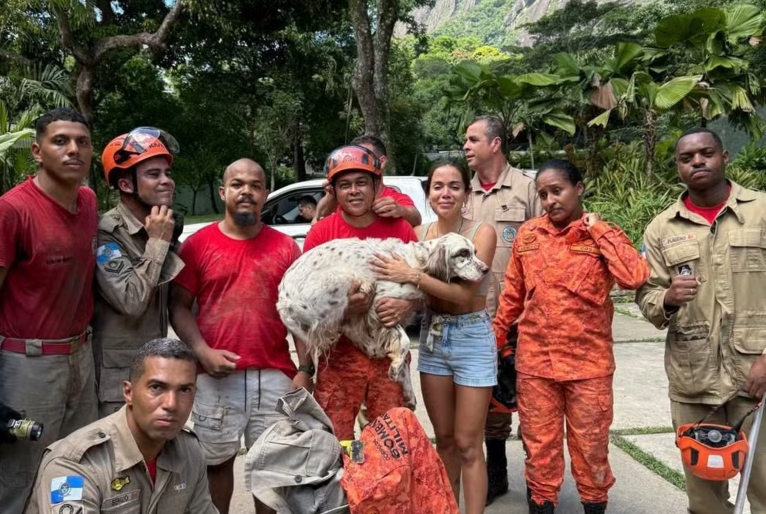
(283, 210)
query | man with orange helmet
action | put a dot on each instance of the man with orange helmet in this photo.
(136, 257)
(707, 254)
(348, 377)
(48, 229)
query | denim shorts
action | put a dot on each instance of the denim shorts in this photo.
(463, 348)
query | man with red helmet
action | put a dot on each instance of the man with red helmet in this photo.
(348, 377)
(47, 240)
(136, 257)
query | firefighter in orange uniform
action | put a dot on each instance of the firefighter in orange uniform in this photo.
(562, 268)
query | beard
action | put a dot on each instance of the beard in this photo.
(244, 219)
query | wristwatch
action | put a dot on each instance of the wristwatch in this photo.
(308, 369)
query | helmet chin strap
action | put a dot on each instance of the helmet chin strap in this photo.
(136, 197)
(374, 194)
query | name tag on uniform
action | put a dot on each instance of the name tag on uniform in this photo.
(528, 248)
(121, 499)
(592, 250)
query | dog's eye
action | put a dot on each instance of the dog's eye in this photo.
(463, 253)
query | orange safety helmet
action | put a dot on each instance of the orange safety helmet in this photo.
(140, 144)
(712, 452)
(352, 158)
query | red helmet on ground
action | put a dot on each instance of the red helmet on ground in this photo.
(142, 143)
(352, 158)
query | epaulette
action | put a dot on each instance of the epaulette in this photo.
(76, 446)
(109, 222)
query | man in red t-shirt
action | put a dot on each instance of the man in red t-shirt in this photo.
(389, 203)
(47, 257)
(233, 269)
(348, 377)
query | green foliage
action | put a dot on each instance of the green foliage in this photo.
(483, 20)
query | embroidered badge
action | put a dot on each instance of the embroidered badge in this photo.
(679, 239)
(120, 482)
(528, 238)
(68, 488)
(528, 248)
(509, 234)
(107, 252)
(121, 499)
(66, 509)
(179, 487)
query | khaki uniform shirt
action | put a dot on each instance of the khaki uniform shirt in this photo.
(133, 274)
(511, 201)
(713, 340)
(99, 468)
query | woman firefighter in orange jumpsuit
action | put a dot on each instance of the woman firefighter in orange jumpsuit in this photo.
(562, 268)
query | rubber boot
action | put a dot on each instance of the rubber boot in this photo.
(545, 508)
(497, 469)
(594, 508)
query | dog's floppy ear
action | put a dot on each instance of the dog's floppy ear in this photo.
(437, 264)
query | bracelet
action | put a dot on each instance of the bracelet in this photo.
(309, 370)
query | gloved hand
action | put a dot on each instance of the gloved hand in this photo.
(7, 414)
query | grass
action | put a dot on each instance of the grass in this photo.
(648, 460)
(627, 312)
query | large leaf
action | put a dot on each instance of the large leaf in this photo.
(567, 65)
(624, 53)
(740, 100)
(508, 87)
(9, 139)
(718, 61)
(468, 70)
(743, 20)
(692, 28)
(675, 90)
(601, 120)
(560, 120)
(538, 79)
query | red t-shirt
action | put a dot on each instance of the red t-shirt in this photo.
(151, 467)
(235, 283)
(400, 198)
(50, 254)
(335, 227)
(488, 186)
(709, 213)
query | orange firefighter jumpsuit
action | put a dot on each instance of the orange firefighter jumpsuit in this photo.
(557, 286)
(401, 472)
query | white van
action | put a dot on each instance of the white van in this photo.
(281, 208)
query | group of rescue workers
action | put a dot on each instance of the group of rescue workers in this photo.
(86, 303)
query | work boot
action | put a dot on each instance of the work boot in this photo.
(594, 508)
(545, 508)
(497, 469)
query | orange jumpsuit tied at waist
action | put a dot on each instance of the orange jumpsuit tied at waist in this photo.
(557, 286)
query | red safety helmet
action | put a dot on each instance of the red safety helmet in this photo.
(352, 158)
(712, 452)
(142, 143)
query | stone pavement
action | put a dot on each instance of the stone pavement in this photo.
(640, 402)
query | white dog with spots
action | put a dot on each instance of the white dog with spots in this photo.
(313, 294)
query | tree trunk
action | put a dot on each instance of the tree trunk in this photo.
(299, 160)
(370, 75)
(212, 188)
(650, 140)
(194, 201)
(531, 148)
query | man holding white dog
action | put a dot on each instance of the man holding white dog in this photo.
(348, 377)
(232, 270)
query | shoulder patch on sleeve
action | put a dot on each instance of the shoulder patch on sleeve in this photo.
(67, 488)
(107, 252)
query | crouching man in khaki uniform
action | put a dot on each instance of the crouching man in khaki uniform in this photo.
(707, 254)
(139, 459)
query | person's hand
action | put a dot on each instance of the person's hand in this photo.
(358, 301)
(328, 187)
(755, 385)
(392, 311)
(683, 289)
(7, 414)
(218, 363)
(387, 207)
(590, 219)
(303, 380)
(160, 222)
(394, 269)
